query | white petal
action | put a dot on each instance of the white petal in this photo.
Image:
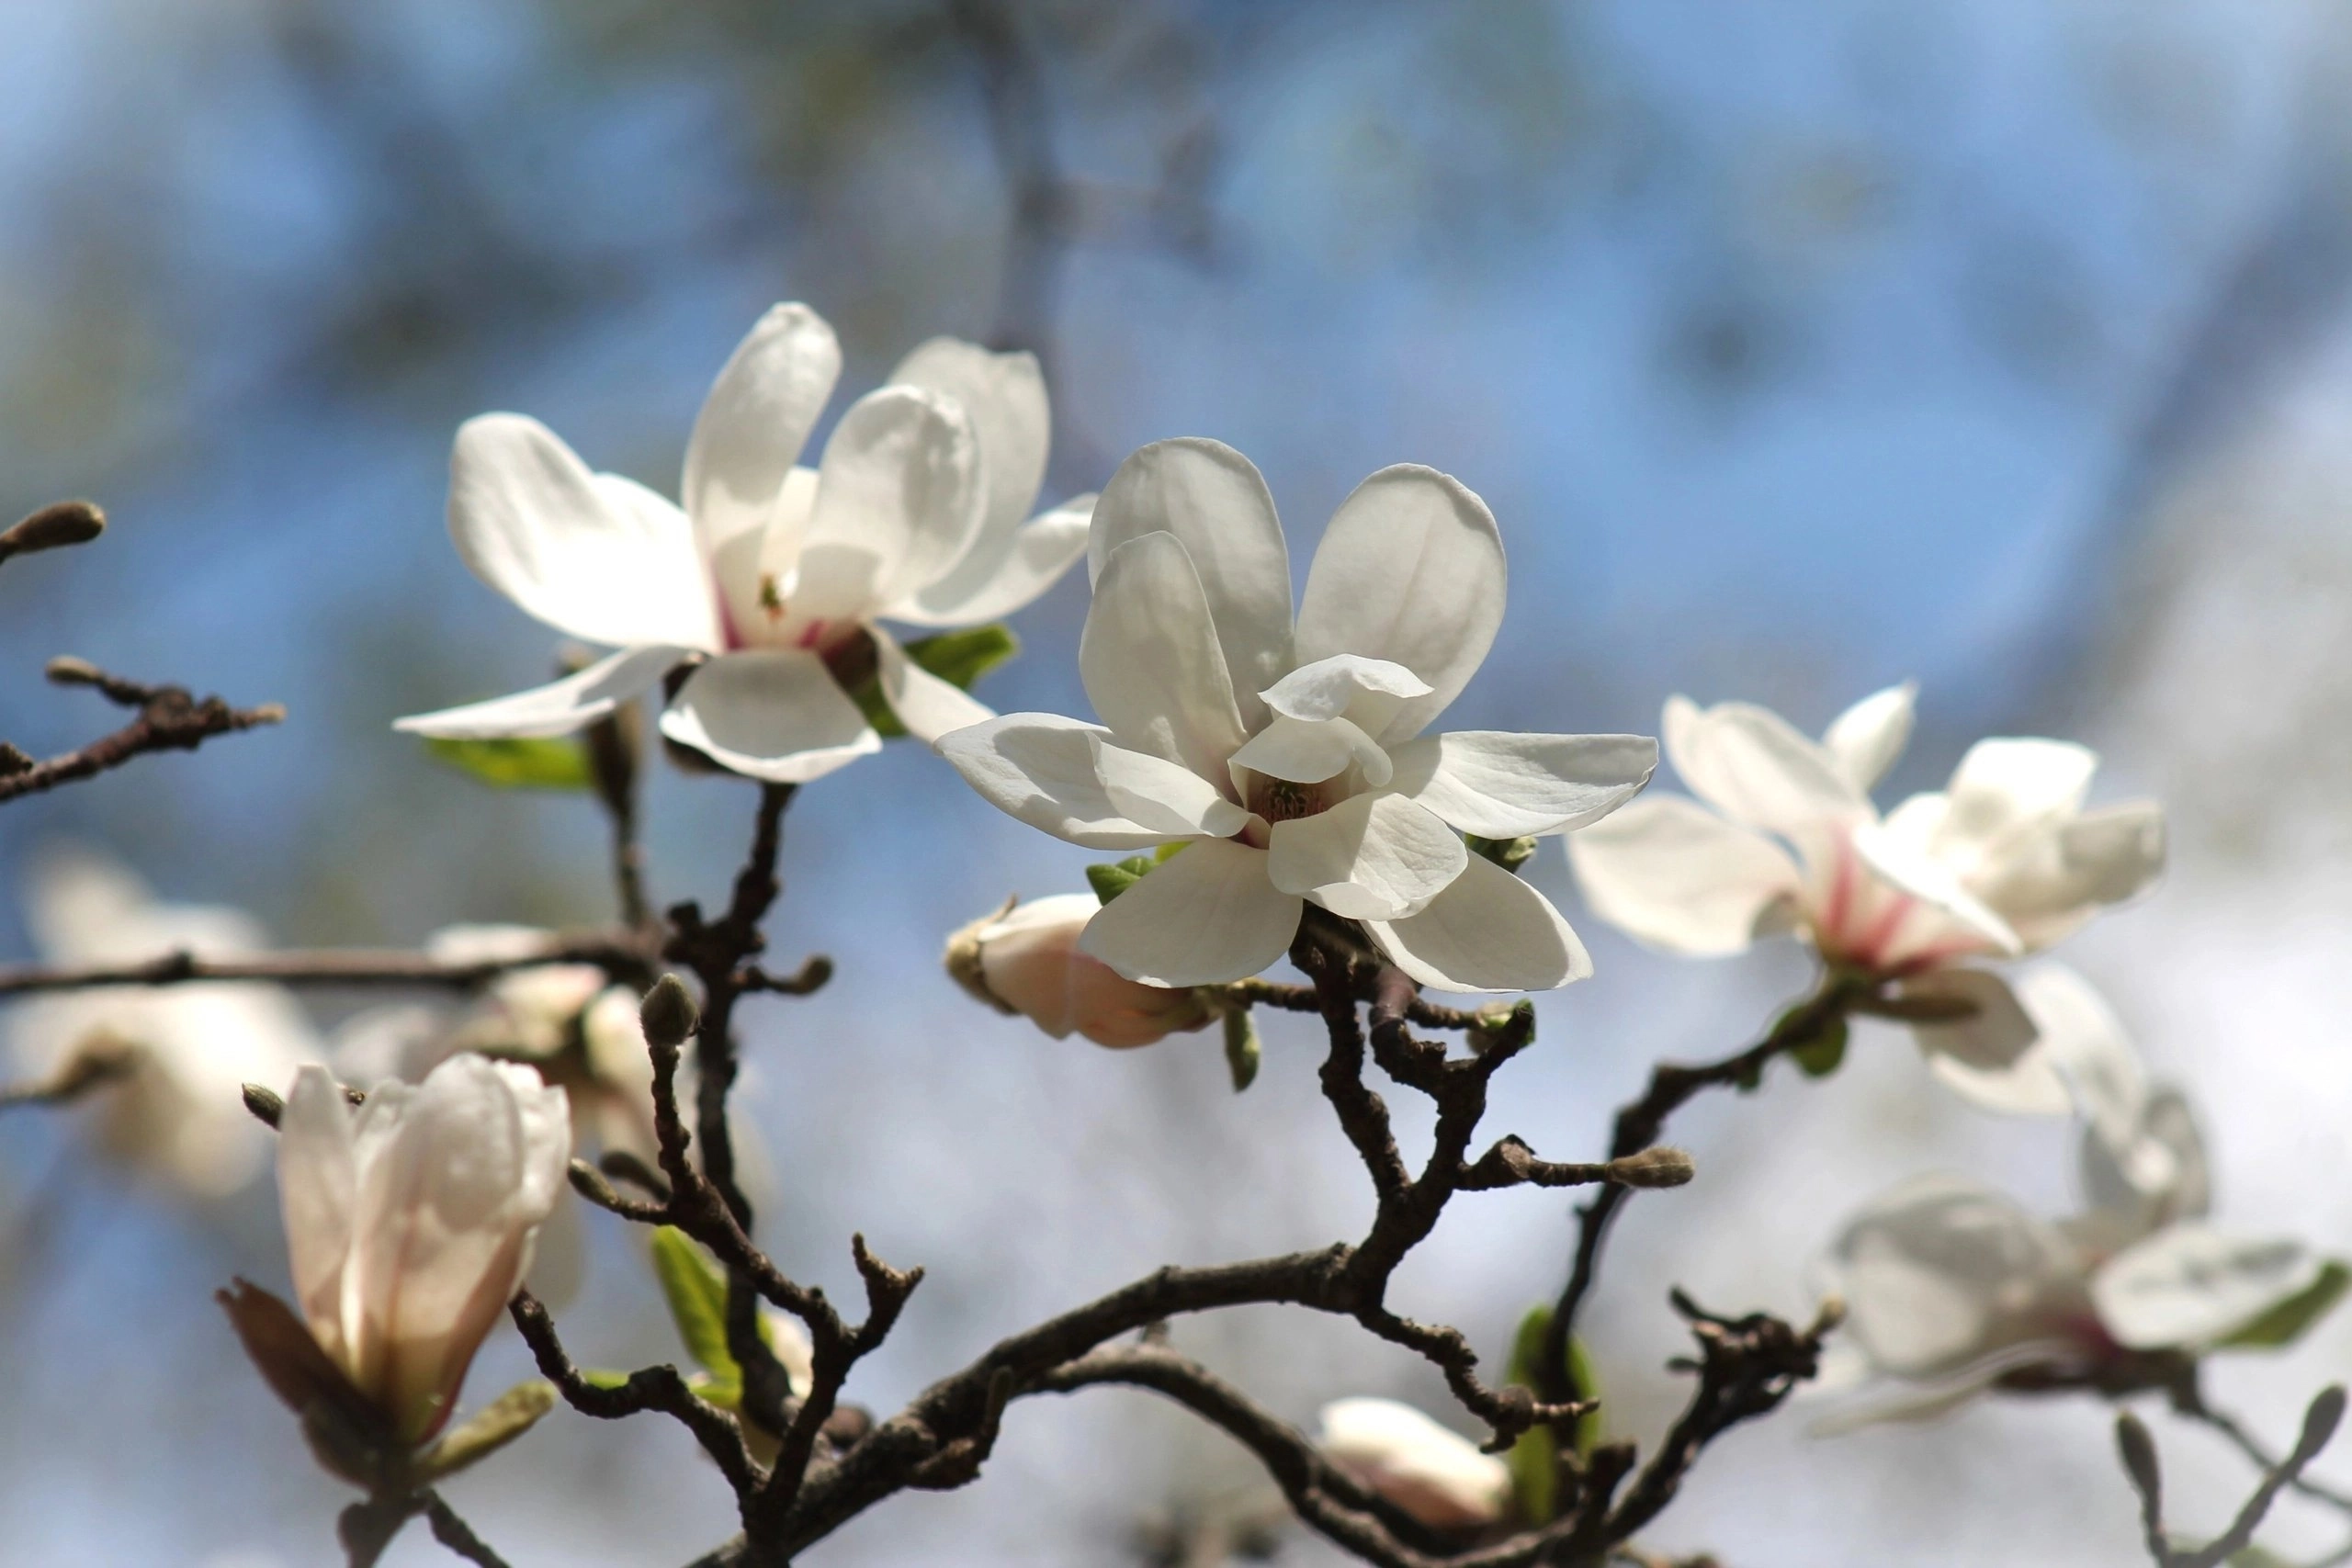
(1411, 569)
(2084, 1043)
(772, 714)
(1671, 873)
(1487, 931)
(532, 521)
(2189, 1285)
(1751, 764)
(1866, 737)
(1310, 750)
(1939, 1273)
(1436, 1475)
(2155, 1175)
(2004, 787)
(1150, 660)
(1040, 551)
(1368, 693)
(1993, 1059)
(559, 708)
(1205, 916)
(1004, 397)
(1932, 883)
(2049, 884)
(929, 706)
(1040, 768)
(1214, 501)
(1372, 857)
(317, 1191)
(1161, 796)
(755, 422)
(1502, 785)
(898, 495)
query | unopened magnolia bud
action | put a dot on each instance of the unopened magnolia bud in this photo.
(67, 671)
(1656, 1167)
(1026, 959)
(668, 1014)
(267, 1105)
(65, 523)
(1435, 1475)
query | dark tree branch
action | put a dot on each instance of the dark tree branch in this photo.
(457, 1535)
(2188, 1400)
(617, 953)
(88, 1068)
(169, 720)
(2137, 1451)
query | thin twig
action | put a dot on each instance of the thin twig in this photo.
(457, 1535)
(169, 720)
(615, 952)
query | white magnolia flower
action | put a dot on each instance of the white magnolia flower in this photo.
(2002, 861)
(179, 1113)
(1288, 760)
(410, 1221)
(773, 576)
(1026, 959)
(1951, 1286)
(1436, 1475)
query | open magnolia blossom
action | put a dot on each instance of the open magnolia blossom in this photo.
(1026, 959)
(2002, 861)
(1435, 1475)
(1287, 759)
(410, 1221)
(184, 1052)
(1952, 1287)
(774, 578)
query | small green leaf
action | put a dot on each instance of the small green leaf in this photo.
(1509, 854)
(553, 764)
(490, 1428)
(1820, 1057)
(960, 658)
(1241, 1052)
(869, 700)
(697, 1292)
(1533, 1460)
(2286, 1323)
(1112, 879)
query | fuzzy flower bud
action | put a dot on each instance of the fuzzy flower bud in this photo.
(410, 1222)
(1024, 959)
(1434, 1474)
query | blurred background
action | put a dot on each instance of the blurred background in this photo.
(1798, 349)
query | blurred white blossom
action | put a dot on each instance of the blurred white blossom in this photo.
(1287, 759)
(177, 1114)
(410, 1221)
(1433, 1474)
(773, 575)
(1783, 837)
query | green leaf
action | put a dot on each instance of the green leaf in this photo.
(490, 1428)
(553, 764)
(1509, 854)
(960, 658)
(869, 700)
(1820, 1057)
(1533, 1460)
(1111, 880)
(1241, 1052)
(2286, 1323)
(697, 1292)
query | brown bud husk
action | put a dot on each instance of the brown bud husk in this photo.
(1656, 1167)
(668, 1014)
(52, 527)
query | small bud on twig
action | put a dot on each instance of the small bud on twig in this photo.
(668, 1014)
(14, 761)
(67, 671)
(267, 1105)
(53, 526)
(1656, 1167)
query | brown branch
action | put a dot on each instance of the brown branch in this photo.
(457, 1535)
(2137, 1451)
(88, 1068)
(617, 953)
(169, 720)
(2188, 1400)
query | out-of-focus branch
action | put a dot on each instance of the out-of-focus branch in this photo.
(619, 953)
(2137, 1451)
(169, 720)
(91, 1066)
(457, 1535)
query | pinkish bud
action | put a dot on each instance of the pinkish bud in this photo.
(1024, 959)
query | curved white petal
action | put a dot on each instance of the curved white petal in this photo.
(979, 590)
(1866, 737)
(1498, 784)
(1004, 397)
(1310, 750)
(1994, 1057)
(1940, 1272)
(1040, 767)
(1436, 1475)
(2047, 885)
(533, 523)
(2086, 1046)
(1674, 874)
(1150, 659)
(1751, 764)
(1411, 569)
(1932, 883)
(1487, 931)
(1216, 502)
(2004, 787)
(1367, 693)
(898, 496)
(1162, 797)
(1372, 857)
(2189, 1285)
(929, 706)
(2155, 1175)
(754, 422)
(558, 708)
(318, 1181)
(1202, 917)
(770, 713)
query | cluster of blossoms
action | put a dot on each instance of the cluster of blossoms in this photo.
(1275, 767)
